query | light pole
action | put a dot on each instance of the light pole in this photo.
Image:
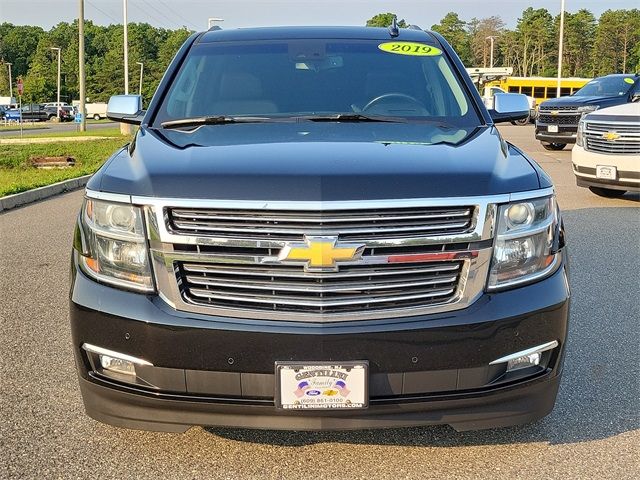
(560, 47)
(126, 48)
(58, 96)
(141, 71)
(212, 20)
(81, 77)
(125, 129)
(491, 37)
(10, 82)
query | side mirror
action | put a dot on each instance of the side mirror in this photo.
(509, 107)
(125, 109)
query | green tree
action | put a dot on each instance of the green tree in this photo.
(579, 36)
(454, 31)
(615, 49)
(478, 31)
(384, 20)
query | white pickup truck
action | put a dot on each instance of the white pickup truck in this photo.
(606, 157)
(96, 111)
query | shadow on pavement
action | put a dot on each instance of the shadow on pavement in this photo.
(600, 386)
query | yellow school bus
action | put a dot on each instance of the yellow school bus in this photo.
(541, 88)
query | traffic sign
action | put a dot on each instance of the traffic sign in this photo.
(20, 86)
(78, 118)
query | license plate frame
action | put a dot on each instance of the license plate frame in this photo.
(353, 394)
(606, 172)
(552, 128)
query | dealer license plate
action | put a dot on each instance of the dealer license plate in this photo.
(552, 128)
(606, 172)
(322, 386)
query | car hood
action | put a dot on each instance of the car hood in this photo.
(310, 161)
(579, 101)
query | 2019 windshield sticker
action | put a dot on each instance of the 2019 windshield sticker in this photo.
(410, 48)
(628, 80)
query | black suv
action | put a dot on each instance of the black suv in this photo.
(558, 118)
(318, 228)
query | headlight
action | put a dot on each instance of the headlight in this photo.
(580, 134)
(587, 109)
(524, 245)
(114, 247)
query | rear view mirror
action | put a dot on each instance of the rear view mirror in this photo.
(508, 107)
(126, 109)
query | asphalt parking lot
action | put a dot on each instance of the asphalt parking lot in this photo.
(594, 431)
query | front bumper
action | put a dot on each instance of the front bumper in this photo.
(432, 369)
(585, 164)
(565, 134)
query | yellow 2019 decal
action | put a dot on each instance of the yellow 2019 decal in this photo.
(410, 48)
(628, 80)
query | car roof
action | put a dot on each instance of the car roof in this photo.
(286, 33)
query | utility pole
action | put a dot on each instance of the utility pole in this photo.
(82, 109)
(491, 37)
(212, 20)
(10, 82)
(141, 72)
(125, 129)
(58, 96)
(560, 45)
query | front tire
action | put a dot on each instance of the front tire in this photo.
(607, 192)
(554, 146)
(523, 121)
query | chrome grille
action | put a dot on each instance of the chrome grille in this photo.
(420, 256)
(290, 289)
(293, 225)
(628, 143)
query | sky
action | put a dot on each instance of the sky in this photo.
(194, 14)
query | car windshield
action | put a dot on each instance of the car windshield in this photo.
(305, 79)
(606, 87)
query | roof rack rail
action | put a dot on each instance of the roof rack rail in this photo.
(393, 28)
(214, 28)
(414, 27)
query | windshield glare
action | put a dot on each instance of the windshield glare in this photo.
(606, 87)
(298, 78)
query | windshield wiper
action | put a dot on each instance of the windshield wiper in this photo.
(352, 117)
(217, 120)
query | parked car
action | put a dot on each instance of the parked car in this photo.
(558, 118)
(606, 158)
(32, 112)
(318, 228)
(62, 113)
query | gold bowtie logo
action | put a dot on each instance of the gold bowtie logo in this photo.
(611, 136)
(320, 253)
(555, 112)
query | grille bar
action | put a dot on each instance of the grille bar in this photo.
(320, 288)
(351, 224)
(322, 303)
(290, 289)
(288, 272)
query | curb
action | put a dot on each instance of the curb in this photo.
(30, 196)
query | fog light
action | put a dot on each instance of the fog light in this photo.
(110, 361)
(117, 365)
(530, 357)
(525, 361)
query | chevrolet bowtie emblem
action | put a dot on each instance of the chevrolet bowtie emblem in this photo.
(611, 136)
(320, 253)
(555, 112)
